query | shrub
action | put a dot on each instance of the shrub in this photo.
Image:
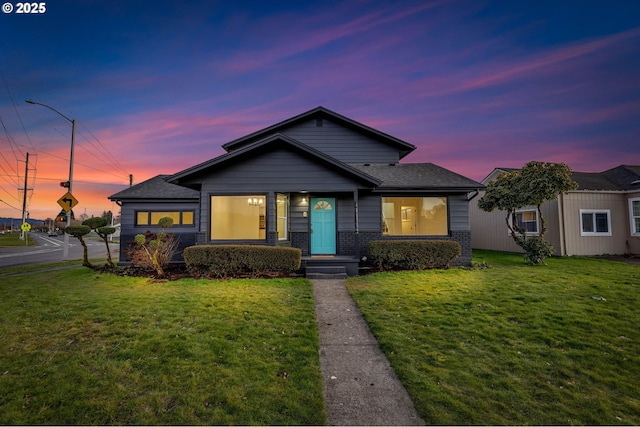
(221, 261)
(536, 250)
(154, 250)
(413, 254)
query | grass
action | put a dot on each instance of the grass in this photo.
(512, 344)
(80, 347)
(13, 239)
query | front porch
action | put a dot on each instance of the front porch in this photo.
(329, 266)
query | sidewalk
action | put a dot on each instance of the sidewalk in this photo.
(359, 386)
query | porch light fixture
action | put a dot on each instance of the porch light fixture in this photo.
(254, 201)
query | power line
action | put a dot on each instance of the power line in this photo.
(106, 151)
(18, 209)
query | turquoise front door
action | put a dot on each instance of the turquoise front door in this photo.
(323, 225)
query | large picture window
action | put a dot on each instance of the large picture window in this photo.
(412, 216)
(238, 217)
(595, 222)
(634, 216)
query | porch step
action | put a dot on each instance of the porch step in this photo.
(327, 272)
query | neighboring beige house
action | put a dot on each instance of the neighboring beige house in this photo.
(601, 217)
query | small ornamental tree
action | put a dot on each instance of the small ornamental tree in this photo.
(78, 231)
(99, 225)
(534, 184)
(156, 250)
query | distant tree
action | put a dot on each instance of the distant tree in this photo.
(107, 215)
(534, 184)
(99, 225)
(79, 231)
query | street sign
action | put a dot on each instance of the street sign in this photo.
(25, 226)
(67, 202)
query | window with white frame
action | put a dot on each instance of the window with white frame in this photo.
(526, 220)
(282, 207)
(595, 222)
(634, 215)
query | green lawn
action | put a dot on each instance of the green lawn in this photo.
(13, 239)
(80, 347)
(512, 344)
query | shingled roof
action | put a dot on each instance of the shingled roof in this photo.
(620, 178)
(417, 176)
(156, 188)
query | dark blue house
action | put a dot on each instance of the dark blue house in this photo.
(318, 181)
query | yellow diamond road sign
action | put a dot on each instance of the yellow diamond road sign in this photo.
(67, 202)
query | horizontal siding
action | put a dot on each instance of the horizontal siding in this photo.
(342, 143)
(345, 214)
(370, 212)
(458, 213)
(280, 170)
(129, 230)
(128, 211)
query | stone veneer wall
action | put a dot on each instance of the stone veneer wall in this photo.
(300, 240)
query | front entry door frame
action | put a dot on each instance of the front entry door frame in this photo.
(322, 225)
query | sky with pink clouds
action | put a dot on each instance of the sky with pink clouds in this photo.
(156, 86)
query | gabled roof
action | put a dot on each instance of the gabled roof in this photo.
(156, 188)
(620, 178)
(626, 177)
(269, 142)
(417, 176)
(322, 113)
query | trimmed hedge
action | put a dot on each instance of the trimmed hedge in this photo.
(413, 254)
(221, 261)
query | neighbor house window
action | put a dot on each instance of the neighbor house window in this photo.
(152, 217)
(282, 207)
(634, 215)
(411, 216)
(595, 222)
(238, 217)
(525, 219)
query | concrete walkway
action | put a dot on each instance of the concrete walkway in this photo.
(360, 388)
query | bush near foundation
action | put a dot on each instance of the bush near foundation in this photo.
(224, 261)
(413, 254)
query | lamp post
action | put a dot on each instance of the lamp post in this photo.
(65, 252)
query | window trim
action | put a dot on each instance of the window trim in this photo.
(529, 233)
(285, 217)
(595, 233)
(632, 224)
(180, 212)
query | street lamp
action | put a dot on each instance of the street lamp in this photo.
(65, 253)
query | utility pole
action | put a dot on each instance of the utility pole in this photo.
(24, 197)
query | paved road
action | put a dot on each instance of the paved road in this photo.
(50, 249)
